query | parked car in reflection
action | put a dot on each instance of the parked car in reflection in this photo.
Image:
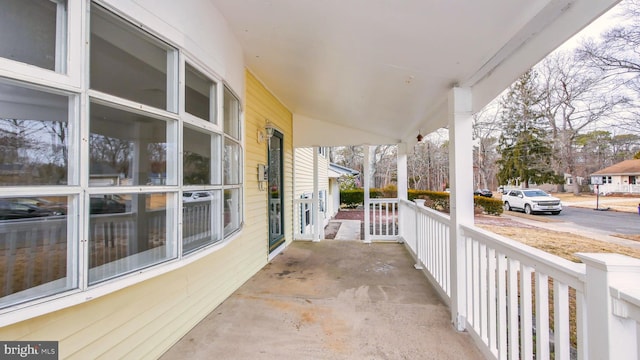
(58, 208)
(483, 192)
(106, 205)
(11, 210)
(196, 196)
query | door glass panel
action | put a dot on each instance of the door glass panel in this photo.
(276, 219)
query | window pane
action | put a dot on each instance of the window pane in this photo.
(231, 162)
(126, 148)
(33, 137)
(200, 219)
(28, 32)
(196, 158)
(232, 210)
(231, 114)
(127, 232)
(35, 252)
(198, 94)
(127, 62)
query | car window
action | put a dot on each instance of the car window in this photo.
(532, 193)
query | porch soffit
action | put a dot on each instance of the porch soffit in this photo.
(385, 67)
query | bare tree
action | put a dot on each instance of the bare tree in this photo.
(617, 54)
(486, 127)
(574, 96)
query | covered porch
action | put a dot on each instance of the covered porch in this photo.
(359, 73)
(331, 300)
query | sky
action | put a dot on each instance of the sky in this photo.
(593, 30)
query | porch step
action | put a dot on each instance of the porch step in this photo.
(349, 230)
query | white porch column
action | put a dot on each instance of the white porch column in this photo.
(461, 200)
(402, 171)
(401, 174)
(611, 334)
(366, 185)
(317, 223)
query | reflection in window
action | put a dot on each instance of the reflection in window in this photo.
(129, 232)
(128, 62)
(33, 137)
(30, 32)
(196, 157)
(231, 114)
(232, 210)
(126, 148)
(34, 248)
(199, 93)
(200, 219)
(232, 164)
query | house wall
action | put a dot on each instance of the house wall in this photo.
(156, 308)
(620, 184)
(262, 105)
(304, 173)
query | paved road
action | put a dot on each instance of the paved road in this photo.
(613, 222)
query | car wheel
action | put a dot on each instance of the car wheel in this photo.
(527, 209)
(507, 206)
(555, 212)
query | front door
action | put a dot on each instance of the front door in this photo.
(276, 196)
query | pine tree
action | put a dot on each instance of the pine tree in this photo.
(526, 153)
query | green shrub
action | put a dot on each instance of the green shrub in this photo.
(437, 200)
(352, 198)
(490, 206)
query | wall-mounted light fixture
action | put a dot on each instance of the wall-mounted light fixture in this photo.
(419, 137)
(268, 127)
(266, 133)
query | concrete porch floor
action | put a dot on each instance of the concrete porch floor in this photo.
(330, 300)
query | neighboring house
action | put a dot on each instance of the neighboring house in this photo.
(213, 96)
(623, 177)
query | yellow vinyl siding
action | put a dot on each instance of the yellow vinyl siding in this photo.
(144, 320)
(263, 106)
(304, 171)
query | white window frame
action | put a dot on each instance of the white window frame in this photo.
(79, 192)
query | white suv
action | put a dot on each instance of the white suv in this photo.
(531, 201)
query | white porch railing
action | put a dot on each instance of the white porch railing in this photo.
(426, 233)
(523, 303)
(383, 216)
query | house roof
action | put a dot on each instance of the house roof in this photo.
(378, 72)
(627, 167)
(335, 171)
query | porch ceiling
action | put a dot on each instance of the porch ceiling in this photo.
(383, 68)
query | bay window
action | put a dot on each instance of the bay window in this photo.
(104, 182)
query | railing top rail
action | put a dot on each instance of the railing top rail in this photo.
(570, 273)
(443, 218)
(631, 296)
(383, 199)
